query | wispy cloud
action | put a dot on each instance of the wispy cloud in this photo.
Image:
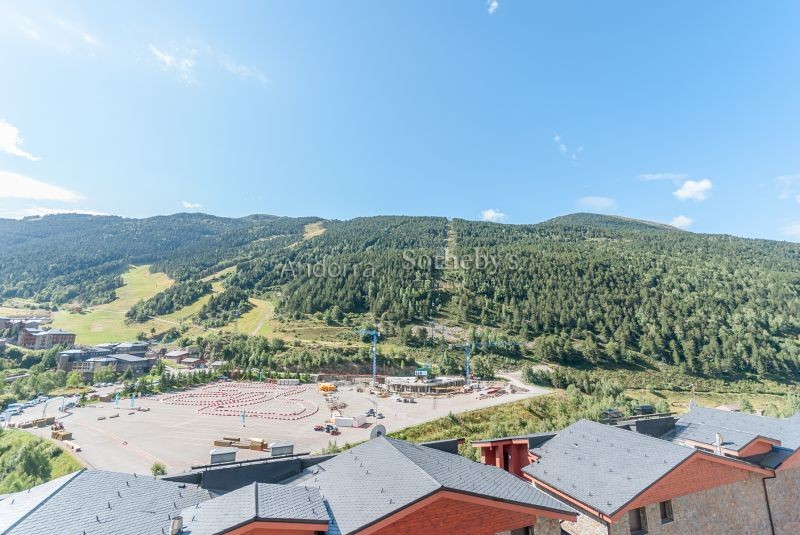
(49, 29)
(184, 60)
(681, 221)
(241, 70)
(674, 177)
(37, 211)
(789, 186)
(17, 186)
(78, 32)
(10, 141)
(494, 215)
(564, 149)
(695, 190)
(792, 230)
(597, 203)
(491, 6)
(177, 62)
(191, 205)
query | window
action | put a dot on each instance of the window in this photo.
(637, 518)
(666, 511)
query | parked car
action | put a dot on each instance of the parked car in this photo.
(380, 416)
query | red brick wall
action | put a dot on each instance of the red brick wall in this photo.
(276, 528)
(269, 531)
(693, 475)
(446, 516)
(756, 447)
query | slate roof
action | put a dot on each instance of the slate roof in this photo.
(787, 430)
(707, 434)
(102, 359)
(732, 425)
(14, 507)
(55, 331)
(127, 358)
(97, 502)
(737, 430)
(603, 466)
(258, 501)
(378, 478)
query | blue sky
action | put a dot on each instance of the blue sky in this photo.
(681, 111)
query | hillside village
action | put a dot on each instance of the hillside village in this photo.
(399, 268)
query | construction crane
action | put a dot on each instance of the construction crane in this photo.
(468, 350)
(374, 334)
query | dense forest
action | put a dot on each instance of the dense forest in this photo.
(71, 257)
(177, 296)
(224, 307)
(580, 289)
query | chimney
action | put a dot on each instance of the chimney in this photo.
(718, 444)
(176, 526)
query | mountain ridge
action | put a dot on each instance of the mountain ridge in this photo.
(583, 287)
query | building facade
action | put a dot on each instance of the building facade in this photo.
(710, 471)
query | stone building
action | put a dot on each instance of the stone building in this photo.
(710, 471)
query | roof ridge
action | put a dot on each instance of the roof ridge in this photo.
(394, 442)
(755, 417)
(257, 507)
(614, 429)
(47, 499)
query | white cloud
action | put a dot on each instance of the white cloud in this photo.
(183, 59)
(696, 190)
(16, 186)
(793, 230)
(598, 203)
(35, 211)
(191, 205)
(494, 215)
(84, 36)
(564, 149)
(675, 177)
(49, 30)
(681, 221)
(183, 65)
(789, 184)
(242, 71)
(492, 6)
(10, 141)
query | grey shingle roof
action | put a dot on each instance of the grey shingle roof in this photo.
(736, 424)
(731, 439)
(14, 507)
(258, 501)
(377, 478)
(127, 358)
(602, 466)
(109, 503)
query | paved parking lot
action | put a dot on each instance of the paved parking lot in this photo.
(179, 436)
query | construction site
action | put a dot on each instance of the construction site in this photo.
(246, 420)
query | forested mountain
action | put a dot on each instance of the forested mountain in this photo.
(175, 297)
(61, 258)
(582, 287)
